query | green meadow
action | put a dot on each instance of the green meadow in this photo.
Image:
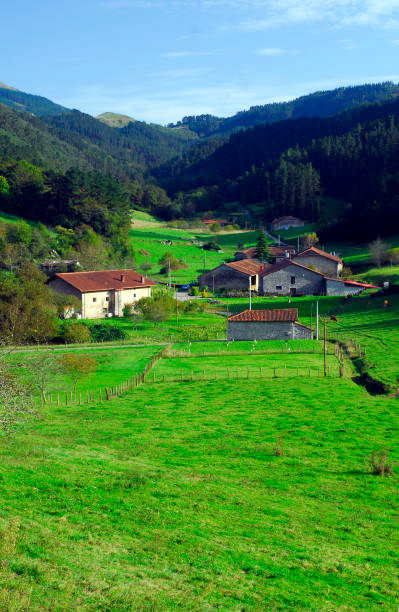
(216, 495)
(147, 236)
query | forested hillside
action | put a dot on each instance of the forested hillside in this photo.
(287, 165)
(319, 104)
(138, 144)
(20, 100)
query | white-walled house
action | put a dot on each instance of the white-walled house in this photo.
(103, 292)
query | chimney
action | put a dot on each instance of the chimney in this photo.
(143, 280)
(123, 278)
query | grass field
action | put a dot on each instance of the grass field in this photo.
(114, 366)
(363, 319)
(246, 365)
(189, 326)
(147, 235)
(174, 498)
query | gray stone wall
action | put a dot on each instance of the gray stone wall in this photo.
(321, 264)
(306, 282)
(338, 287)
(301, 332)
(258, 330)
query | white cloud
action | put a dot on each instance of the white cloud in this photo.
(270, 51)
(178, 54)
(182, 73)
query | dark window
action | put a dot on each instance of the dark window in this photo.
(292, 280)
(253, 280)
(278, 287)
(107, 299)
(94, 299)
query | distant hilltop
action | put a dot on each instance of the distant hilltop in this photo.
(4, 86)
(115, 120)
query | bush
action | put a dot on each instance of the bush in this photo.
(379, 463)
(128, 310)
(77, 333)
(101, 332)
(195, 291)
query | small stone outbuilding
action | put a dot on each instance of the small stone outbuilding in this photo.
(236, 275)
(274, 324)
(284, 223)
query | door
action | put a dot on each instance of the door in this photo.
(293, 292)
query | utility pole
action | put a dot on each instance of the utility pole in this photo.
(317, 320)
(204, 262)
(213, 283)
(250, 294)
(311, 316)
(325, 347)
(298, 245)
(169, 275)
(177, 307)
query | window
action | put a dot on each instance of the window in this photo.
(107, 299)
(134, 295)
(292, 280)
(94, 299)
(253, 280)
(278, 287)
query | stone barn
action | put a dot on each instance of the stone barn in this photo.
(291, 278)
(274, 324)
(327, 263)
(236, 275)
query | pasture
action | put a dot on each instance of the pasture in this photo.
(362, 319)
(149, 239)
(203, 496)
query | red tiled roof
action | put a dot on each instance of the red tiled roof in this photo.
(104, 280)
(275, 314)
(357, 284)
(209, 221)
(315, 251)
(251, 251)
(284, 264)
(246, 266)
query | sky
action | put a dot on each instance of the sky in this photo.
(160, 60)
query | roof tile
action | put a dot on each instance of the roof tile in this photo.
(105, 280)
(275, 314)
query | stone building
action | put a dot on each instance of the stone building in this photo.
(276, 324)
(103, 293)
(236, 275)
(294, 279)
(324, 262)
(284, 223)
(291, 278)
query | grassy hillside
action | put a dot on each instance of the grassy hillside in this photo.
(115, 120)
(147, 236)
(174, 497)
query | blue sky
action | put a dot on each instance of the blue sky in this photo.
(158, 60)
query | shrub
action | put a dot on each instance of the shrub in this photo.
(195, 291)
(77, 333)
(215, 227)
(101, 332)
(279, 449)
(128, 310)
(379, 463)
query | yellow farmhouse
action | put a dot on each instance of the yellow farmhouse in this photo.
(103, 292)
